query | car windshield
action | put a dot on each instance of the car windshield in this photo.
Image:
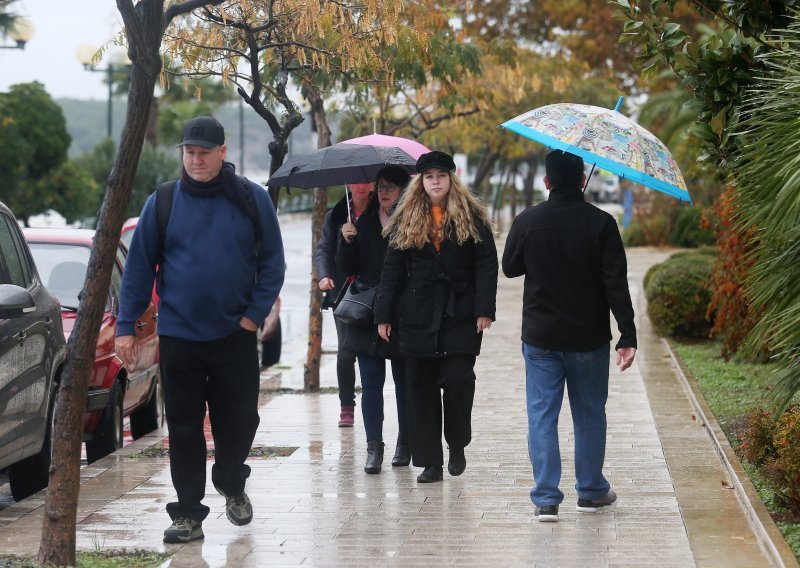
(62, 268)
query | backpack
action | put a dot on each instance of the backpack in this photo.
(164, 193)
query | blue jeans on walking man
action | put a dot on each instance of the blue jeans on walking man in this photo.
(586, 377)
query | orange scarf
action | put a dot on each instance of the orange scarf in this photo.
(438, 215)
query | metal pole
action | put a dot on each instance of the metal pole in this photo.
(110, 95)
(241, 135)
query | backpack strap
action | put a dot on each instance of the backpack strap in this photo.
(251, 209)
(164, 194)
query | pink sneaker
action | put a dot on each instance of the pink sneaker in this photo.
(346, 417)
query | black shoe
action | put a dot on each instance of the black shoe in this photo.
(430, 474)
(605, 503)
(457, 462)
(374, 456)
(402, 453)
(547, 513)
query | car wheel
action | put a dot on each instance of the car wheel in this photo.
(108, 435)
(33, 473)
(150, 416)
(271, 348)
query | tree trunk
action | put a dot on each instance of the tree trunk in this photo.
(485, 168)
(152, 135)
(144, 26)
(320, 208)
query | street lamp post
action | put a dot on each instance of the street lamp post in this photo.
(20, 34)
(85, 55)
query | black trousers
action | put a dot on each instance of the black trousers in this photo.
(432, 386)
(345, 369)
(224, 375)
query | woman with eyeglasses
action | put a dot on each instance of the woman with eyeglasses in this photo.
(363, 256)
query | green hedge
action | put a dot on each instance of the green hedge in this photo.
(678, 292)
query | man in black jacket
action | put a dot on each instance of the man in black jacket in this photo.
(575, 269)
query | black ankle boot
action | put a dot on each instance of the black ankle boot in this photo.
(457, 462)
(430, 474)
(374, 456)
(402, 453)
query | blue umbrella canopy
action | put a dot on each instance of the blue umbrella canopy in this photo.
(339, 164)
(607, 139)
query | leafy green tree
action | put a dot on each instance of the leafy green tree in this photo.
(155, 166)
(33, 141)
(768, 194)
(744, 84)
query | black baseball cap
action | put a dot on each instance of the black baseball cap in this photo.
(203, 131)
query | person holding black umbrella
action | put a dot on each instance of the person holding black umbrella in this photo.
(331, 281)
(363, 257)
(440, 280)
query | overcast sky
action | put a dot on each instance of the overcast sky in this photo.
(49, 57)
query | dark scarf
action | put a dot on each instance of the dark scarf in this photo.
(226, 183)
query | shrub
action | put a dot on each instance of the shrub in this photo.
(688, 230)
(773, 445)
(678, 292)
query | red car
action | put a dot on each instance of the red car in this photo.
(269, 333)
(115, 391)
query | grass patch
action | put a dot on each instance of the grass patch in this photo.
(732, 389)
(98, 559)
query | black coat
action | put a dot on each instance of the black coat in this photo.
(325, 255)
(364, 258)
(438, 295)
(574, 264)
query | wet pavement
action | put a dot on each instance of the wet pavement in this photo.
(317, 507)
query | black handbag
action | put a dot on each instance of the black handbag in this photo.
(355, 308)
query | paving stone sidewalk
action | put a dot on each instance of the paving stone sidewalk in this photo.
(316, 507)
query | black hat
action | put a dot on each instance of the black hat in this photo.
(203, 131)
(435, 159)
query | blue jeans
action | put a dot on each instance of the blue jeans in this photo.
(586, 377)
(373, 376)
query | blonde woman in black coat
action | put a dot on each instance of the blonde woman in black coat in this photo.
(440, 280)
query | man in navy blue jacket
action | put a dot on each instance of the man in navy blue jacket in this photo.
(575, 270)
(215, 285)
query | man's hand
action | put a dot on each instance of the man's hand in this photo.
(385, 330)
(248, 324)
(127, 348)
(483, 323)
(625, 357)
(326, 284)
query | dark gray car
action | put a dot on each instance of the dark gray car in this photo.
(32, 351)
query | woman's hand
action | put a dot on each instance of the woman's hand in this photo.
(348, 232)
(385, 330)
(483, 323)
(326, 284)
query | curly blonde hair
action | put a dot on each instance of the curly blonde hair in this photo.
(411, 225)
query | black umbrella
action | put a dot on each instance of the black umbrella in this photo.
(339, 164)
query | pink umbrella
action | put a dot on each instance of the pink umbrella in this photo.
(410, 147)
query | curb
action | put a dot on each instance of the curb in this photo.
(767, 532)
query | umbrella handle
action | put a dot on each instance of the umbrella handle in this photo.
(347, 201)
(588, 178)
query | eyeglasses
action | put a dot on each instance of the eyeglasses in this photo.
(386, 187)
